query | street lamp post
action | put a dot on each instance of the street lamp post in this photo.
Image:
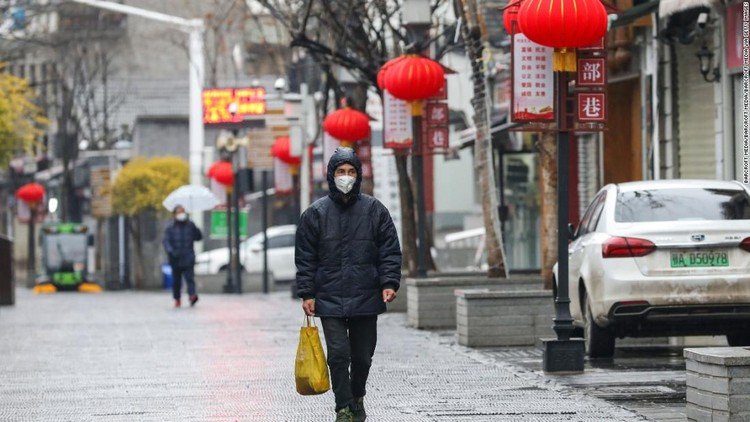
(195, 29)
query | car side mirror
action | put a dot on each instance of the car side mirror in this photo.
(571, 231)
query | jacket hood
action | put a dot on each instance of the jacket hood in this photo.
(343, 155)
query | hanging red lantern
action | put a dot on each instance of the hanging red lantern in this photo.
(384, 70)
(415, 78)
(31, 193)
(510, 16)
(222, 172)
(347, 125)
(564, 25)
(282, 149)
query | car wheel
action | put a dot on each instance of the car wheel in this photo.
(600, 342)
(738, 339)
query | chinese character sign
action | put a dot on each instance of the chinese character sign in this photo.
(437, 114)
(217, 104)
(437, 137)
(533, 81)
(591, 107)
(591, 72)
(397, 131)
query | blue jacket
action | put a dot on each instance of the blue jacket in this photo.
(347, 250)
(178, 243)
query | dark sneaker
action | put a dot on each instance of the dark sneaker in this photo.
(193, 299)
(344, 415)
(358, 410)
(177, 303)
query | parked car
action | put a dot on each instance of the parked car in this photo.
(660, 258)
(280, 255)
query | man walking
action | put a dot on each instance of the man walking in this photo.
(348, 267)
(178, 243)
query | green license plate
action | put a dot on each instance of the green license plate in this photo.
(690, 259)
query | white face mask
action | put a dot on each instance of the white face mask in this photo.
(345, 183)
(181, 217)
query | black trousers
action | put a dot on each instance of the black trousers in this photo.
(177, 274)
(350, 341)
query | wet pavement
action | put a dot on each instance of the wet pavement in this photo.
(646, 378)
(128, 356)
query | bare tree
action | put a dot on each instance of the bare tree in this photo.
(472, 33)
(358, 36)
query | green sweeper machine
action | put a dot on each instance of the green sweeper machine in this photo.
(64, 257)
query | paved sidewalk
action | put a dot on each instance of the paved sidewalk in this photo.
(128, 356)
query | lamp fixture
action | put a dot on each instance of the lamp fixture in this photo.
(706, 56)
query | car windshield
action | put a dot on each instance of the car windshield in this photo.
(682, 204)
(64, 251)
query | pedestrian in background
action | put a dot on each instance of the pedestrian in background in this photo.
(348, 267)
(178, 243)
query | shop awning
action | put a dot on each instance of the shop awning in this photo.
(631, 15)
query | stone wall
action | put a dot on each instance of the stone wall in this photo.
(718, 384)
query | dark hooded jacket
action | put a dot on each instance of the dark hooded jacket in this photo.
(178, 243)
(347, 249)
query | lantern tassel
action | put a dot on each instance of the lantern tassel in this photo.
(564, 60)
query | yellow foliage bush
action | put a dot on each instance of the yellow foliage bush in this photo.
(21, 121)
(143, 184)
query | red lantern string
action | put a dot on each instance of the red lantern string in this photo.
(282, 149)
(414, 78)
(223, 173)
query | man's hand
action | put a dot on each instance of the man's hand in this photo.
(389, 295)
(309, 307)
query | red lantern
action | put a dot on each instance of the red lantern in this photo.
(415, 78)
(222, 172)
(510, 16)
(347, 125)
(31, 193)
(564, 25)
(282, 149)
(384, 70)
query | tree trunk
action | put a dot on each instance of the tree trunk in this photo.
(548, 181)
(471, 34)
(408, 221)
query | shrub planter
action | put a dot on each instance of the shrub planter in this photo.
(503, 318)
(432, 301)
(718, 384)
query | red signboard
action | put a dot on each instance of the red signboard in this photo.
(437, 114)
(592, 72)
(232, 105)
(437, 137)
(734, 35)
(592, 106)
(597, 46)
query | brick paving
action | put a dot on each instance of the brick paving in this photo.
(128, 356)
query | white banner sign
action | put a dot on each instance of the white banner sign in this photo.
(397, 132)
(533, 81)
(282, 177)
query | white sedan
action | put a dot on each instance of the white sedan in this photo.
(659, 258)
(280, 255)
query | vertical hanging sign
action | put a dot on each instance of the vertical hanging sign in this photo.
(397, 130)
(533, 82)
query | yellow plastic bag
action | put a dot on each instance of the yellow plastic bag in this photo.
(310, 368)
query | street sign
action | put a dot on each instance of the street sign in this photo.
(592, 72)
(397, 127)
(437, 137)
(259, 147)
(101, 203)
(219, 226)
(437, 114)
(533, 97)
(592, 106)
(232, 105)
